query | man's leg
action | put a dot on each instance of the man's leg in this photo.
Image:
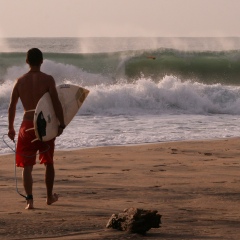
(28, 183)
(49, 180)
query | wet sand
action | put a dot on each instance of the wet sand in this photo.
(194, 185)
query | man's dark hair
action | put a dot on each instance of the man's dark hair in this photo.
(34, 57)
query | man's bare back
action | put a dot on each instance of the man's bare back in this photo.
(33, 85)
(30, 88)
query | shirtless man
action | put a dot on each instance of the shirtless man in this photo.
(30, 88)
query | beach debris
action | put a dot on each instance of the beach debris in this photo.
(208, 154)
(135, 220)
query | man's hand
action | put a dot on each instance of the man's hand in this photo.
(11, 134)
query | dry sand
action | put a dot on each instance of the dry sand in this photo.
(195, 186)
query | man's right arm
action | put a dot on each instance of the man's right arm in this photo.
(12, 112)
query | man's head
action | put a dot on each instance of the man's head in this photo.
(34, 57)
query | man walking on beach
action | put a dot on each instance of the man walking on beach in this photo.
(30, 88)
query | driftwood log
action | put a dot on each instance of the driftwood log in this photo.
(135, 220)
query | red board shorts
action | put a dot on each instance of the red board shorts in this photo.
(27, 150)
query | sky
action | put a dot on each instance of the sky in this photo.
(119, 18)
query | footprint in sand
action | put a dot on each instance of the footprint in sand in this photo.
(174, 151)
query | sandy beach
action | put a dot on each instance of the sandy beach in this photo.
(194, 185)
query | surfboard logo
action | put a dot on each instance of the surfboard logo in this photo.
(49, 118)
(41, 125)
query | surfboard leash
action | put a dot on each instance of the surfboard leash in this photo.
(15, 171)
(15, 163)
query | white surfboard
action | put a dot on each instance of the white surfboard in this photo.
(45, 120)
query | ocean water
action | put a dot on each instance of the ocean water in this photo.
(142, 90)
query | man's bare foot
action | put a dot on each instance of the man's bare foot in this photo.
(29, 204)
(53, 199)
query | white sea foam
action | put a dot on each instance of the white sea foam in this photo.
(169, 95)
